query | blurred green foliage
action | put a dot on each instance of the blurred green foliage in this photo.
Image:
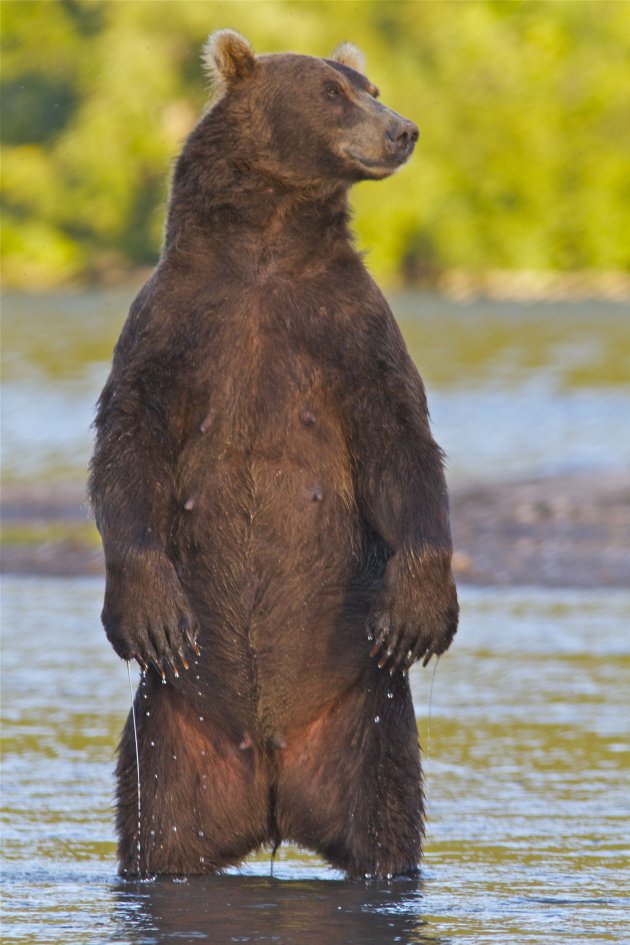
(523, 160)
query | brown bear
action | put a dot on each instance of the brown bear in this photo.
(271, 501)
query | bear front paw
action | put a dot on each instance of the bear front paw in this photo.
(146, 615)
(416, 613)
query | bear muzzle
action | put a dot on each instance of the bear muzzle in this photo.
(400, 138)
(382, 142)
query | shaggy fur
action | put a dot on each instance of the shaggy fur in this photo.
(272, 504)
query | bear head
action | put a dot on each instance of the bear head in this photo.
(301, 120)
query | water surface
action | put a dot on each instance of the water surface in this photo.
(526, 754)
(526, 758)
(514, 389)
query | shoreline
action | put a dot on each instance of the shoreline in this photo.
(455, 285)
(558, 531)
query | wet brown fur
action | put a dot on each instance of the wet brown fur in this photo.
(265, 482)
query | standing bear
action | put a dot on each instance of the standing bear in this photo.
(271, 501)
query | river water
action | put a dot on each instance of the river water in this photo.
(514, 389)
(524, 725)
(526, 757)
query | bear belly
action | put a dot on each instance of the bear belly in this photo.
(270, 551)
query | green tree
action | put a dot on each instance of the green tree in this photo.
(523, 109)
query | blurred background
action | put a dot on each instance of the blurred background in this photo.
(504, 249)
(523, 109)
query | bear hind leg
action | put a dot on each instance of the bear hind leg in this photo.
(350, 785)
(204, 803)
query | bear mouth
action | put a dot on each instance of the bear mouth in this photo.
(383, 166)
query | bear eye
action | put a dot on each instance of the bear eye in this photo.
(333, 90)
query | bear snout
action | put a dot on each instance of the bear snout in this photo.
(401, 137)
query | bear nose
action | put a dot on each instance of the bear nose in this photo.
(402, 136)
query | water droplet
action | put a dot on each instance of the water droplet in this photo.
(390, 694)
(144, 695)
(174, 829)
(163, 680)
(201, 718)
(370, 637)
(200, 833)
(155, 775)
(152, 744)
(377, 719)
(202, 859)
(147, 713)
(152, 832)
(203, 751)
(198, 693)
(174, 757)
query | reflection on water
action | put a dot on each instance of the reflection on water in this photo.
(228, 909)
(513, 388)
(526, 761)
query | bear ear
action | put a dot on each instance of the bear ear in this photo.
(348, 55)
(227, 57)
